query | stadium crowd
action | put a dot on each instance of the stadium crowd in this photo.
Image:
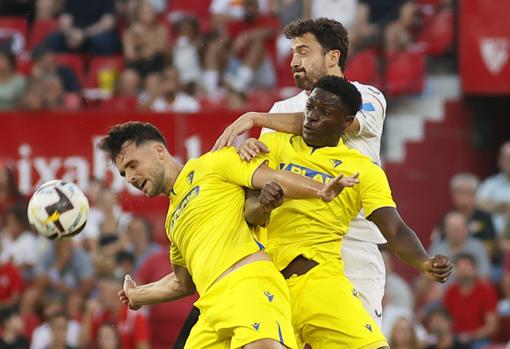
(165, 56)
(184, 56)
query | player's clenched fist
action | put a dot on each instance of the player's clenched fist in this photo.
(123, 294)
(271, 196)
(438, 268)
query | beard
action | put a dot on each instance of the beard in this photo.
(308, 78)
(158, 183)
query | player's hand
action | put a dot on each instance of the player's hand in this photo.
(335, 187)
(127, 288)
(251, 148)
(438, 268)
(241, 125)
(271, 196)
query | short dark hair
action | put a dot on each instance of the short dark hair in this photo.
(347, 92)
(136, 132)
(19, 212)
(330, 34)
(466, 256)
(441, 312)
(7, 314)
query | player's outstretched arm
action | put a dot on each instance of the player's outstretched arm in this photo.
(282, 122)
(404, 243)
(298, 187)
(173, 286)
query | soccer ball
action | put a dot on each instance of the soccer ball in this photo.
(58, 209)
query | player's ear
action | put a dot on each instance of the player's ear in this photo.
(160, 149)
(348, 121)
(333, 57)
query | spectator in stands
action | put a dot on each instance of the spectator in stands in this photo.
(331, 9)
(106, 223)
(403, 335)
(146, 41)
(139, 233)
(86, 26)
(463, 188)
(9, 194)
(47, 93)
(503, 308)
(163, 94)
(398, 35)
(494, 196)
(12, 330)
(186, 58)
(250, 64)
(45, 63)
(59, 325)
(441, 328)
(108, 337)
(17, 242)
(458, 241)
(133, 327)
(128, 84)
(11, 284)
(12, 84)
(472, 303)
(43, 335)
(64, 268)
(165, 319)
(124, 264)
(47, 9)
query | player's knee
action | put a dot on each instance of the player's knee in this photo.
(265, 344)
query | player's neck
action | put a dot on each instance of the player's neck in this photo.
(174, 168)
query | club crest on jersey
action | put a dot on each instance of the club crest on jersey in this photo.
(190, 177)
(306, 172)
(336, 162)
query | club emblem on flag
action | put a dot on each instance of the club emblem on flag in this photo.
(494, 53)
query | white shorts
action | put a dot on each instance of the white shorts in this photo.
(364, 267)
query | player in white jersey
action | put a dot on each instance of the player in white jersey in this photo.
(319, 48)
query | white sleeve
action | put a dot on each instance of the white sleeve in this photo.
(371, 116)
(484, 191)
(218, 7)
(274, 109)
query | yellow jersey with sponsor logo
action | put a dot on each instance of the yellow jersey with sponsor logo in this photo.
(205, 222)
(313, 228)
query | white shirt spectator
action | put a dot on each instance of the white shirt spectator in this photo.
(22, 251)
(43, 337)
(496, 189)
(344, 11)
(234, 8)
(95, 219)
(182, 103)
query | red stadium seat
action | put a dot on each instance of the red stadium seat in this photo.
(364, 68)
(99, 63)
(198, 8)
(40, 30)
(405, 72)
(15, 27)
(438, 33)
(75, 63)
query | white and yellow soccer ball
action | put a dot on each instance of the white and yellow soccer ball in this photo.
(58, 209)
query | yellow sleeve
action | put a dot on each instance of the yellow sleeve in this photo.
(375, 190)
(229, 166)
(273, 141)
(175, 256)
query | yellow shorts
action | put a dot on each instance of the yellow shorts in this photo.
(249, 304)
(328, 312)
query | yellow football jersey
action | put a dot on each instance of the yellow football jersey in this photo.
(205, 221)
(313, 228)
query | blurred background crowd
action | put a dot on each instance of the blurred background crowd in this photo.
(185, 56)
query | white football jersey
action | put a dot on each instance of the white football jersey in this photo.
(367, 141)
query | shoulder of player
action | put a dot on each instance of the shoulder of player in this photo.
(369, 92)
(292, 103)
(362, 163)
